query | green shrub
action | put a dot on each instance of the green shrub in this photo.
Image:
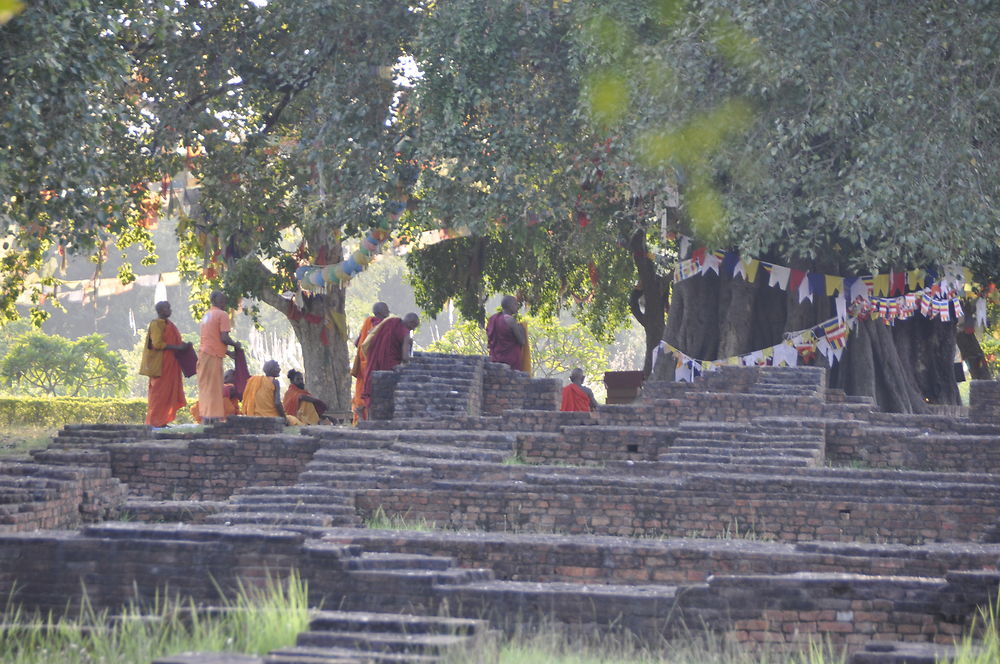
(59, 411)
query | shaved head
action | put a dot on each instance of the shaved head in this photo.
(411, 320)
(509, 304)
(271, 368)
(163, 309)
(380, 310)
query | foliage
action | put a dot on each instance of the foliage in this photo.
(859, 134)
(59, 411)
(990, 343)
(74, 155)
(556, 348)
(509, 160)
(38, 363)
(256, 621)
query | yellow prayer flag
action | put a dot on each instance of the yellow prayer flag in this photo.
(750, 267)
(913, 279)
(834, 284)
(881, 285)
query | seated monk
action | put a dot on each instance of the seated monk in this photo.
(300, 403)
(576, 397)
(262, 395)
(230, 398)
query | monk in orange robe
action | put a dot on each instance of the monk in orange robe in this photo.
(166, 384)
(230, 398)
(262, 396)
(576, 397)
(379, 313)
(299, 402)
(387, 346)
(215, 337)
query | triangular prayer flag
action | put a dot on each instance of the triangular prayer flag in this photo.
(805, 292)
(834, 285)
(750, 267)
(797, 276)
(898, 283)
(913, 279)
(779, 277)
(880, 284)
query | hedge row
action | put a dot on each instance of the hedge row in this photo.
(59, 411)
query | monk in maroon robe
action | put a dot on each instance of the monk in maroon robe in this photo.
(505, 337)
(388, 345)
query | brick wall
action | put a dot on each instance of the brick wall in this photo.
(210, 469)
(984, 401)
(786, 509)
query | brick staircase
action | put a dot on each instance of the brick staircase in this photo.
(437, 385)
(355, 637)
(762, 442)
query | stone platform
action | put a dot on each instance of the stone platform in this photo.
(754, 503)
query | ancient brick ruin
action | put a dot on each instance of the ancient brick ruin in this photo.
(754, 503)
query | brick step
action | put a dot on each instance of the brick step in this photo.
(738, 450)
(395, 561)
(393, 622)
(323, 472)
(58, 456)
(436, 379)
(746, 444)
(318, 496)
(394, 579)
(459, 436)
(383, 642)
(448, 452)
(293, 508)
(723, 437)
(740, 460)
(277, 519)
(302, 488)
(311, 655)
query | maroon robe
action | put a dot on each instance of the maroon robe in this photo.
(503, 345)
(384, 352)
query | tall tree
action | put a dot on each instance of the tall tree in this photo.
(552, 214)
(843, 139)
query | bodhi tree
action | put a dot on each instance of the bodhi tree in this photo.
(550, 214)
(841, 139)
(286, 115)
(293, 117)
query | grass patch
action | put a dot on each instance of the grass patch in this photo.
(18, 440)
(255, 622)
(379, 520)
(553, 646)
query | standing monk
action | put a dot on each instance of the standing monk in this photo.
(576, 397)
(166, 385)
(387, 345)
(506, 338)
(214, 339)
(379, 313)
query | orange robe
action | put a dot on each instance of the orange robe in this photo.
(166, 391)
(575, 399)
(294, 405)
(360, 364)
(258, 397)
(230, 403)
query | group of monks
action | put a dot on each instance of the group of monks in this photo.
(383, 343)
(220, 395)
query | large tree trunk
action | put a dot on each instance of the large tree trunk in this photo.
(323, 342)
(649, 300)
(324, 350)
(904, 367)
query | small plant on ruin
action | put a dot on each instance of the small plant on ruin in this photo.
(380, 520)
